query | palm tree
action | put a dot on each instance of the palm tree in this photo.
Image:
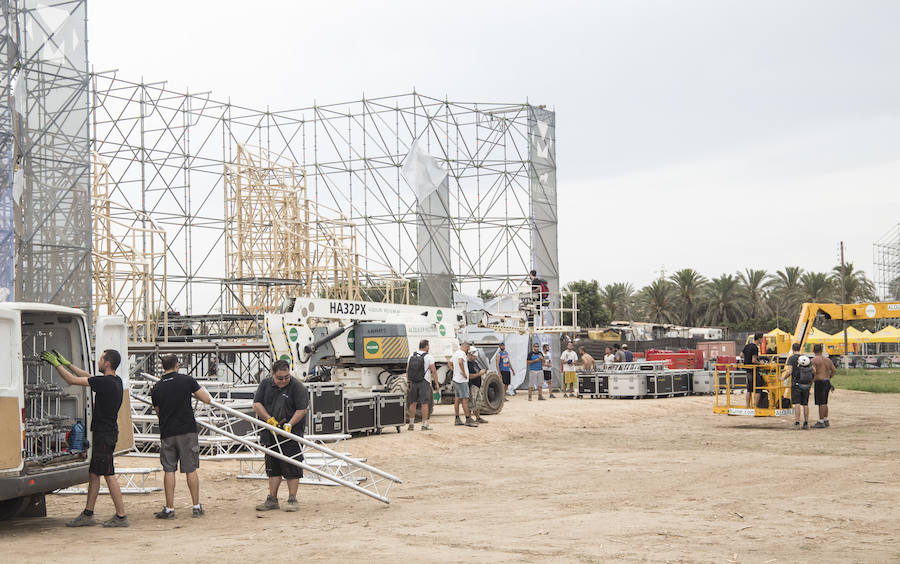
(689, 286)
(658, 301)
(857, 287)
(755, 285)
(617, 298)
(786, 294)
(816, 287)
(724, 300)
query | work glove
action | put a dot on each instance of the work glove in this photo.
(62, 359)
(272, 421)
(48, 356)
(287, 427)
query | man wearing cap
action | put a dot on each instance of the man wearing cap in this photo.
(504, 368)
(629, 356)
(475, 388)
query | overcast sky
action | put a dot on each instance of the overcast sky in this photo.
(711, 134)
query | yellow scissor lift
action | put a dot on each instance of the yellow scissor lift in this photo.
(725, 389)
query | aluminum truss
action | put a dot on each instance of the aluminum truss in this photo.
(45, 162)
(167, 152)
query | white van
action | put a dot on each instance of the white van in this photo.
(38, 409)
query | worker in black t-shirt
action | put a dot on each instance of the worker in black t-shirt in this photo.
(107, 388)
(281, 401)
(178, 439)
(755, 380)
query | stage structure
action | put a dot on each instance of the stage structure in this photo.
(45, 223)
(886, 259)
(167, 150)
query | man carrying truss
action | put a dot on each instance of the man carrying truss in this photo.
(108, 392)
(281, 401)
(178, 439)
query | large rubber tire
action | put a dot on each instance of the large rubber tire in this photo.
(397, 384)
(492, 399)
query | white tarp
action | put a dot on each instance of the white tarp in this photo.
(422, 171)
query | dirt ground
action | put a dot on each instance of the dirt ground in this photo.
(565, 480)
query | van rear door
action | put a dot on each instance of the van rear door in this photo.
(11, 390)
(112, 333)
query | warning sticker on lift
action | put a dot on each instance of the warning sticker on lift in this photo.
(385, 348)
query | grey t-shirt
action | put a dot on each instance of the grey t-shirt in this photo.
(619, 356)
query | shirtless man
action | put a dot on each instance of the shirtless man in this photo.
(823, 370)
(587, 361)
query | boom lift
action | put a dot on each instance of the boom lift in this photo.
(777, 391)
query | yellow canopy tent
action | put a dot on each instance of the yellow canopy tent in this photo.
(819, 336)
(889, 334)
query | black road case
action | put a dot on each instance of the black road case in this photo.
(325, 415)
(359, 413)
(390, 411)
(681, 383)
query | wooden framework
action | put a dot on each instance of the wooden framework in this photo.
(128, 262)
(279, 243)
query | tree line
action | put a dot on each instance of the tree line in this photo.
(744, 301)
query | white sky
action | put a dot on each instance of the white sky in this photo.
(712, 134)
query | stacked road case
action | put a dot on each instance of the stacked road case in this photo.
(326, 408)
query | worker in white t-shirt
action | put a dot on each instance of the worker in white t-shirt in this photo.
(570, 376)
(461, 385)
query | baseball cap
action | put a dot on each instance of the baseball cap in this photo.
(624, 345)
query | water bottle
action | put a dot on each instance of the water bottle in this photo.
(76, 438)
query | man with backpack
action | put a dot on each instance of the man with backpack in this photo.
(799, 368)
(420, 390)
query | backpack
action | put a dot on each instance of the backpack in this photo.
(806, 375)
(545, 288)
(416, 370)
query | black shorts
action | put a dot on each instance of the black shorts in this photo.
(823, 388)
(505, 376)
(102, 447)
(800, 394)
(759, 384)
(548, 375)
(277, 467)
(419, 393)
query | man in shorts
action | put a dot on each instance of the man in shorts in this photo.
(547, 368)
(535, 371)
(504, 368)
(588, 364)
(567, 366)
(420, 392)
(461, 385)
(107, 388)
(178, 440)
(795, 367)
(281, 401)
(755, 381)
(823, 369)
(476, 393)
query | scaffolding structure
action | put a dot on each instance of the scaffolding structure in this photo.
(886, 259)
(167, 150)
(129, 263)
(45, 224)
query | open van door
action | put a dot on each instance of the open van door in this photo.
(112, 333)
(11, 391)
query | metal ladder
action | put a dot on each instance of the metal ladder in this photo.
(339, 468)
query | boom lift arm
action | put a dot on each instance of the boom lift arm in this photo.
(845, 312)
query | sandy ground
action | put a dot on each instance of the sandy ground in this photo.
(564, 480)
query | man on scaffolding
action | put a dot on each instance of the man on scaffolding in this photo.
(281, 401)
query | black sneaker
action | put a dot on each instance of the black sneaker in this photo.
(827, 424)
(165, 514)
(796, 425)
(819, 425)
(197, 512)
(805, 425)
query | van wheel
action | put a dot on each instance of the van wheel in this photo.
(9, 508)
(491, 394)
